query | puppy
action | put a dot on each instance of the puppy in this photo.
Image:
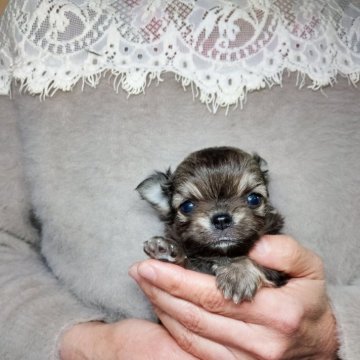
(215, 207)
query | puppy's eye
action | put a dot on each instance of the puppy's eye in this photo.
(187, 207)
(253, 200)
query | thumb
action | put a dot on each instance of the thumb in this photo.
(283, 253)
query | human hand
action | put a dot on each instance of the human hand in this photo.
(130, 339)
(291, 322)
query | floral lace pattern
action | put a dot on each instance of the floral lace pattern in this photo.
(225, 48)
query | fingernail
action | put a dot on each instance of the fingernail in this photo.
(133, 271)
(147, 272)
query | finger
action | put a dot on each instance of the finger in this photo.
(200, 289)
(197, 288)
(280, 309)
(283, 253)
(197, 345)
(229, 332)
(193, 286)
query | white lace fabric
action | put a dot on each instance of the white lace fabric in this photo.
(222, 48)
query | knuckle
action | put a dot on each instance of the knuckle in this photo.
(275, 351)
(151, 293)
(214, 303)
(192, 319)
(177, 284)
(290, 324)
(186, 341)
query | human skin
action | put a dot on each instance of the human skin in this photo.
(132, 339)
(291, 322)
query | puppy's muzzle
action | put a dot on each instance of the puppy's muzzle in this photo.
(222, 221)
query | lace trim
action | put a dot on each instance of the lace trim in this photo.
(221, 48)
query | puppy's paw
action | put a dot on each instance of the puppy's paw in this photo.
(239, 280)
(163, 249)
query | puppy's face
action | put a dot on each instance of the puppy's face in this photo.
(215, 202)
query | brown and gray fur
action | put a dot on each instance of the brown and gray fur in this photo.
(217, 234)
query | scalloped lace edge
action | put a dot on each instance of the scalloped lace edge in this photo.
(211, 99)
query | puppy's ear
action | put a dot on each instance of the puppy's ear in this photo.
(156, 190)
(263, 165)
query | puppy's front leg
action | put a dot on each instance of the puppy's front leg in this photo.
(239, 278)
(164, 249)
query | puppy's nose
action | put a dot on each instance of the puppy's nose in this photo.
(222, 221)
